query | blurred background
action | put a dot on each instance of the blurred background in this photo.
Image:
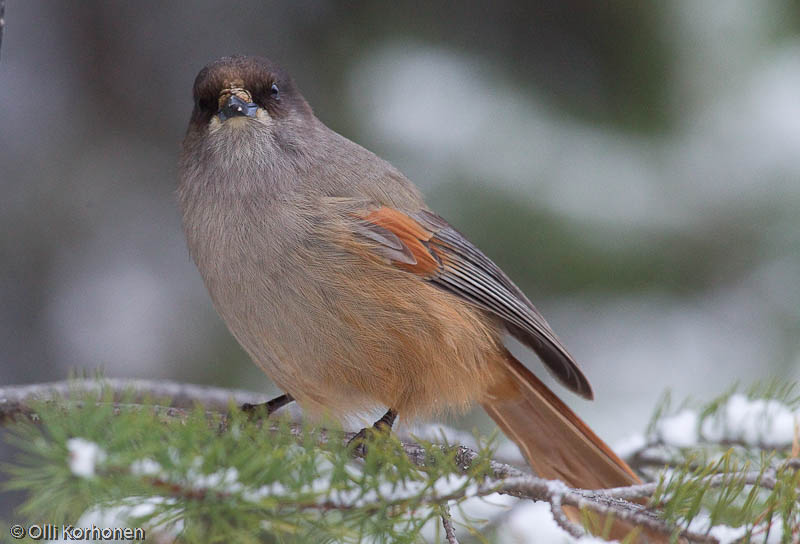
(634, 167)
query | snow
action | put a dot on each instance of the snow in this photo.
(755, 422)
(680, 429)
(730, 535)
(557, 487)
(727, 535)
(84, 456)
(275, 489)
(630, 445)
(226, 479)
(449, 485)
(752, 421)
(517, 522)
(392, 491)
(146, 467)
(533, 523)
(484, 507)
(509, 452)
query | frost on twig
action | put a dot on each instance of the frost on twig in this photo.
(447, 523)
(198, 467)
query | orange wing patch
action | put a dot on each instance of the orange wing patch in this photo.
(413, 235)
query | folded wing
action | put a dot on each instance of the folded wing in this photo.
(425, 244)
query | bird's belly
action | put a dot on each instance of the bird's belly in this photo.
(343, 335)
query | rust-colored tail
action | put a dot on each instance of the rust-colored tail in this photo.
(556, 443)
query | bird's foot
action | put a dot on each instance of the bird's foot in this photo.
(256, 412)
(358, 442)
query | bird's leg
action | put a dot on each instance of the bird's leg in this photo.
(384, 424)
(256, 410)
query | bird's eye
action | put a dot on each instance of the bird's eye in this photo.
(274, 92)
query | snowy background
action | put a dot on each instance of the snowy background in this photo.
(635, 168)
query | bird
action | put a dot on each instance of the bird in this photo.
(328, 267)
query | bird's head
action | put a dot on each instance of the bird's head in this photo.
(248, 117)
(240, 91)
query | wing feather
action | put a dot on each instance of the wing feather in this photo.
(443, 256)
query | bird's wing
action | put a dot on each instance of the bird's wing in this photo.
(425, 244)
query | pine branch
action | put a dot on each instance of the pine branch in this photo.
(485, 476)
(16, 401)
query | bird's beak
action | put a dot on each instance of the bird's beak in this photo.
(236, 107)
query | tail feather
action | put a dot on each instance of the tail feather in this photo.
(557, 444)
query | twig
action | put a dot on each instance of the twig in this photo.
(655, 453)
(561, 518)
(447, 523)
(598, 501)
(633, 492)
